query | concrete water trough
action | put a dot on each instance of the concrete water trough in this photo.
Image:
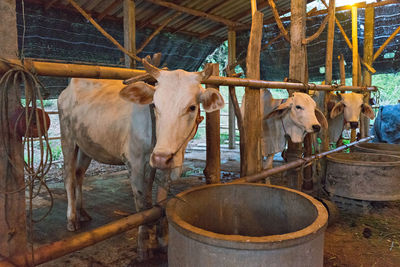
(364, 176)
(245, 225)
(379, 148)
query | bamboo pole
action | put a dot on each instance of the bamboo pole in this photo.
(354, 38)
(197, 13)
(157, 31)
(129, 32)
(252, 116)
(388, 40)
(368, 57)
(294, 164)
(13, 230)
(102, 31)
(231, 60)
(212, 171)
(76, 242)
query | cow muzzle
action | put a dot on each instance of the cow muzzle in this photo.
(161, 160)
(353, 124)
(316, 128)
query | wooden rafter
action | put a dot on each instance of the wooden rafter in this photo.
(195, 12)
(49, 4)
(109, 9)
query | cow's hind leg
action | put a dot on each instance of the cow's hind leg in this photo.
(82, 164)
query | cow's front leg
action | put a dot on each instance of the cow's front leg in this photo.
(142, 177)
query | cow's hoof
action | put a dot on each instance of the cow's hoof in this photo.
(144, 254)
(84, 216)
(73, 226)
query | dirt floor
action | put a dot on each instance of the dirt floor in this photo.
(369, 236)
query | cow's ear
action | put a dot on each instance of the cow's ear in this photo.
(367, 111)
(280, 111)
(138, 92)
(211, 100)
(321, 118)
(337, 109)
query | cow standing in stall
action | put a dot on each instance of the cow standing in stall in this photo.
(344, 113)
(112, 123)
(292, 118)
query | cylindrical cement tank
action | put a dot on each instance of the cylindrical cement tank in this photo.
(245, 225)
(364, 176)
(379, 148)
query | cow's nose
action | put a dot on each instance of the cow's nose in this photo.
(161, 160)
(353, 125)
(316, 128)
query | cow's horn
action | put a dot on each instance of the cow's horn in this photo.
(208, 69)
(153, 71)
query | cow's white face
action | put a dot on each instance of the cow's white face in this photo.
(351, 105)
(176, 99)
(299, 116)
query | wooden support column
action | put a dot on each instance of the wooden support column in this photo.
(129, 31)
(354, 37)
(13, 240)
(368, 58)
(252, 111)
(212, 170)
(297, 71)
(231, 60)
(342, 70)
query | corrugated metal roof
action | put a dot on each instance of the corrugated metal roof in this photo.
(149, 15)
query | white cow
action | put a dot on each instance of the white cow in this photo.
(293, 117)
(345, 110)
(111, 123)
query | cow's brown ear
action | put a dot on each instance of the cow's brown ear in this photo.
(321, 118)
(367, 111)
(212, 100)
(337, 109)
(138, 92)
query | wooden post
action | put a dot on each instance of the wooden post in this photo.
(212, 170)
(252, 115)
(231, 60)
(13, 240)
(297, 71)
(368, 58)
(342, 70)
(129, 31)
(354, 37)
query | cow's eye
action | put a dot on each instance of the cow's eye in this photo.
(192, 108)
(299, 107)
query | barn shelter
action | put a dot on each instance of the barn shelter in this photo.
(185, 33)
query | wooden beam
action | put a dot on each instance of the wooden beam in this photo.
(212, 170)
(252, 116)
(354, 39)
(157, 31)
(369, 33)
(129, 32)
(388, 40)
(108, 9)
(253, 6)
(342, 70)
(231, 60)
(194, 12)
(49, 4)
(13, 236)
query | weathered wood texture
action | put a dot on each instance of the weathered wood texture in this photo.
(252, 111)
(369, 33)
(354, 40)
(231, 61)
(12, 205)
(129, 31)
(297, 71)
(212, 170)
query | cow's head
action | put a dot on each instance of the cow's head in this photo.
(176, 98)
(299, 116)
(351, 105)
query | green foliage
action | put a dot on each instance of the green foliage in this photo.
(56, 150)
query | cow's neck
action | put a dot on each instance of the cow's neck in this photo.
(295, 132)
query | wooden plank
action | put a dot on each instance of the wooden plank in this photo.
(129, 32)
(231, 60)
(354, 40)
(13, 237)
(252, 115)
(194, 12)
(212, 170)
(388, 40)
(369, 33)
